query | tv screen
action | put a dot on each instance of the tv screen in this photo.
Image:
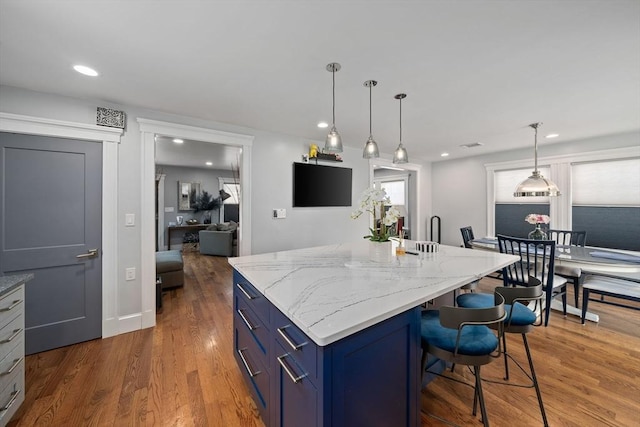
(319, 185)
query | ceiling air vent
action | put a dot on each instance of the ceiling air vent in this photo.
(472, 145)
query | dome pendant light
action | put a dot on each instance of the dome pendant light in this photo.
(371, 147)
(333, 144)
(536, 184)
(400, 156)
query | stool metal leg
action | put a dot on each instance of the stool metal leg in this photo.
(535, 380)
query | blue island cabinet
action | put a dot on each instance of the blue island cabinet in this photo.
(369, 378)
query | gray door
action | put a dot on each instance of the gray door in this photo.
(50, 212)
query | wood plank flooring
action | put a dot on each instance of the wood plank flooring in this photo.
(182, 372)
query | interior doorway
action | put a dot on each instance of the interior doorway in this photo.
(402, 185)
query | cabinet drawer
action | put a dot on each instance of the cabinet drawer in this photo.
(12, 396)
(11, 305)
(258, 303)
(9, 365)
(11, 334)
(246, 318)
(253, 367)
(295, 342)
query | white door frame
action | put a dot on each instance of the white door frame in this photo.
(110, 138)
(148, 131)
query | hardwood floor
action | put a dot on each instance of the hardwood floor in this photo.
(182, 372)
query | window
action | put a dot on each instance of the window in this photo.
(395, 190)
(510, 211)
(606, 202)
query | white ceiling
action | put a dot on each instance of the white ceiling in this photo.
(196, 154)
(474, 71)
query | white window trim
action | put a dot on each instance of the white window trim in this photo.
(559, 207)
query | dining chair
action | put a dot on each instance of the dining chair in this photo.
(467, 236)
(463, 336)
(537, 259)
(520, 319)
(570, 238)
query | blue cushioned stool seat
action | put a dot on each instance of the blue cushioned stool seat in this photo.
(519, 316)
(474, 339)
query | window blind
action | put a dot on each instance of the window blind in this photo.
(505, 183)
(610, 183)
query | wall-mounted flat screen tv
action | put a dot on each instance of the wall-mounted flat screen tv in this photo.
(320, 185)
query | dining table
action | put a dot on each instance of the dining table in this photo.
(592, 260)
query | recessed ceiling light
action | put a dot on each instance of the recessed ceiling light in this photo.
(444, 154)
(323, 125)
(178, 140)
(209, 163)
(552, 135)
(87, 71)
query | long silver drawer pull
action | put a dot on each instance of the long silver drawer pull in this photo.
(288, 340)
(14, 396)
(246, 321)
(15, 333)
(12, 306)
(15, 364)
(246, 365)
(288, 371)
(244, 291)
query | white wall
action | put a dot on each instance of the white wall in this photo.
(271, 181)
(460, 186)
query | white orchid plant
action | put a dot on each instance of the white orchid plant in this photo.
(374, 200)
(537, 219)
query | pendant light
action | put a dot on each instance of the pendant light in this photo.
(400, 156)
(371, 147)
(536, 184)
(333, 144)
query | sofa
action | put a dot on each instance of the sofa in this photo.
(219, 239)
(170, 268)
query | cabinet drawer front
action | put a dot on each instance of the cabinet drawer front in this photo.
(12, 360)
(296, 343)
(12, 396)
(258, 303)
(10, 335)
(247, 318)
(253, 367)
(11, 305)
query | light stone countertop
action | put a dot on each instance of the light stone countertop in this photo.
(8, 283)
(331, 292)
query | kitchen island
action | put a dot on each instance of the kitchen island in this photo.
(324, 336)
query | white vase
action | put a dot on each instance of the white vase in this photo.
(380, 251)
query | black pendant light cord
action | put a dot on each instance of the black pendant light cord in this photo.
(333, 73)
(370, 132)
(400, 120)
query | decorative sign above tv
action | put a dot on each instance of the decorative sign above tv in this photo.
(320, 185)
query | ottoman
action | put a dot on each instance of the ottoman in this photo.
(169, 268)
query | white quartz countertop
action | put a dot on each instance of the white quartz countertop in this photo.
(331, 292)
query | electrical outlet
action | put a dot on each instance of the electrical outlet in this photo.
(279, 213)
(130, 273)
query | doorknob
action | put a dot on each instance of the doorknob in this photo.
(91, 253)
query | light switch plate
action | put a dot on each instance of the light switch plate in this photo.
(130, 220)
(130, 273)
(279, 213)
(168, 209)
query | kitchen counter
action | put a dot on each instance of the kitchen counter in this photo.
(331, 292)
(9, 283)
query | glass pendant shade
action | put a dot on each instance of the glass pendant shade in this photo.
(400, 155)
(536, 185)
(333, 143)
(371, 147)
